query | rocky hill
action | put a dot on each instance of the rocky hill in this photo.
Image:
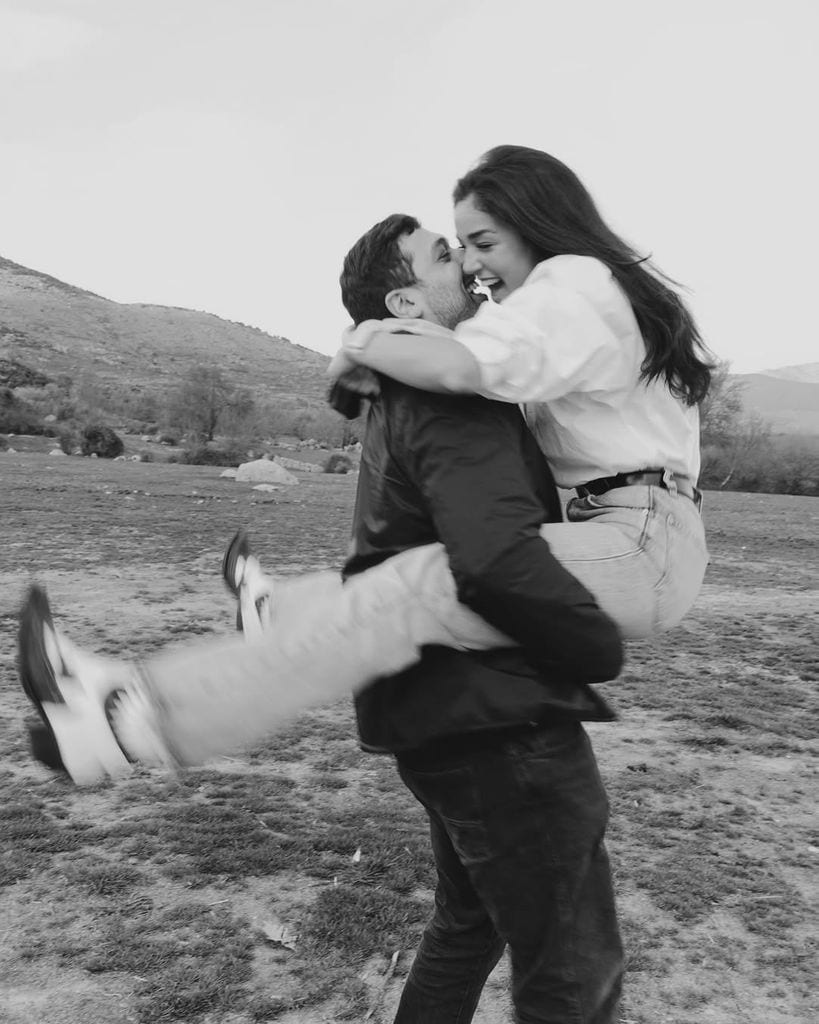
(807, 373)
(54, 328)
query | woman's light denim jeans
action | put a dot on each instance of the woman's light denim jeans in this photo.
(644, 560)
(640, 550)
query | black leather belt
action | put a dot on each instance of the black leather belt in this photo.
(641, 477)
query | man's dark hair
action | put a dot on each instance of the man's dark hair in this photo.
(375, 266)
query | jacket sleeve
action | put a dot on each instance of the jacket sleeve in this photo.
(467, 456)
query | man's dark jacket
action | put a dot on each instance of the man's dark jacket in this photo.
(466, 471)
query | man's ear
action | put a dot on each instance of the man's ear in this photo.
(403, 302)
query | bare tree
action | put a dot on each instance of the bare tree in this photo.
(199, 401)
(730, 436)
(752, 436)
(721, 411)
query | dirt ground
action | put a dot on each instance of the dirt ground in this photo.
(711, 767)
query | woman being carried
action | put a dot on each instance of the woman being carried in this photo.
(609, 367)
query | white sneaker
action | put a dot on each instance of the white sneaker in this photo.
(74, 693)
(244, 577)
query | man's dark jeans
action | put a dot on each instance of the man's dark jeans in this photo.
(517, 833)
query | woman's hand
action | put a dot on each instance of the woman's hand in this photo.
(415, 352)
(354, 340)
(340, 364)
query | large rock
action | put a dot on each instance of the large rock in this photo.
(264, 471)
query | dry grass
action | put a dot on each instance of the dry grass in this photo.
(159, 900)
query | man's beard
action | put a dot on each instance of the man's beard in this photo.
(452, 307)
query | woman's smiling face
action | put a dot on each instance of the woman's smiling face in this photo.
(496, 255)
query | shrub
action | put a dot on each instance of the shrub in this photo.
(17, 416)
(101, 441)
(785, 464)
(169, 437)
(66, 410)
(338, 463)
(69, 442)
(48, 403)
(3, 443)
(18, 375)
(204, 455)
(141, 406)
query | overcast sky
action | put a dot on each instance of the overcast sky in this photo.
(223, 155)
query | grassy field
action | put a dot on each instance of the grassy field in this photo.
(277, 886)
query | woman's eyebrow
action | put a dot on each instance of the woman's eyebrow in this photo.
(473, 235)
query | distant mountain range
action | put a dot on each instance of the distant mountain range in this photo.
(787, 397)
(807, 373)
(54, 328)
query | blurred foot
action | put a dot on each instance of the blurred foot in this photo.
(87, 704)
(245, 579)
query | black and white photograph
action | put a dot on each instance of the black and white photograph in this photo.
(409, 463)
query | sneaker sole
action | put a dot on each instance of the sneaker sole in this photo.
(239, 547)
(248, 614)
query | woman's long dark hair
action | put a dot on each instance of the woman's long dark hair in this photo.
(545, 203)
